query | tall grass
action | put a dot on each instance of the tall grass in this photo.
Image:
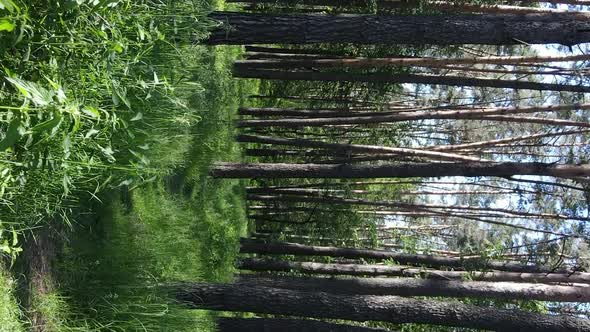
(182, 227)
(110, 114)
(87, 90)
(10, 313)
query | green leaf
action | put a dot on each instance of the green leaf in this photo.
(49, 124)
(66, 145)
(125, 183)
(5, 247)
(140, 32)
(9, 5)
(120, 94)
(6, 24)
(91, 111)
(13, 134)
(66, 183)
(137, 117)
(14, 238)
(33, 91)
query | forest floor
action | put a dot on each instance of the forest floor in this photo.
(100, 273)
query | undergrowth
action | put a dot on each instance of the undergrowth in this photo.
(10, 312)
(89, 92)
(184, 227)
(110, 115)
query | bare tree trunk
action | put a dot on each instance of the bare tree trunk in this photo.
(300, 75)
(349, 148)
(503, 9)
(393, 309)
(265, 265)
(271, 111)
(264, 49)
(444, 6)
(477, 113)
(362, 3)
(415, 207)
(502, 141)
(359, 62)
(226, 324)
(286, 248)
(507, 169)
(420, 287)
(493, 29)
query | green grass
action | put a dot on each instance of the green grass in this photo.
(93, 96)
(53, 308)
(10, 312)
(110, 118)
(184, 227)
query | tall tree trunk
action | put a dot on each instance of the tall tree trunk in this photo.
(393, 309)
(444, 6)
(363, 2)
(492, 29)
(351, 120)
(507, 169)
(475, 113)
(360, 62)
(296, 61)
(263, 49)
(420, 287)
(272, 111)
(300, 75)
(227, 324)
(286, 248)
(348, 148)
(497, 142)
(413, 207)
(265, 265)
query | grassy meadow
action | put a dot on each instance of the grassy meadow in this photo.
(111, 115)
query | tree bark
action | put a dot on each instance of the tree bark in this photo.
(286, 248)
(419, 287)
(492, 29)
(503, 9)
(361, 2)
(393, 309)
(444, 6)
(413, 207)
(227, 324)
(476, 113)
(265, 265)
(496, 142)
(296, 61)
(360, 62)
(246, 72)
(271, 111)
(507, 169)
(349, 148)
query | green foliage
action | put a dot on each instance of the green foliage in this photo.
(88, 90)
(10, 312)
(182, 227)
(109, 107)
